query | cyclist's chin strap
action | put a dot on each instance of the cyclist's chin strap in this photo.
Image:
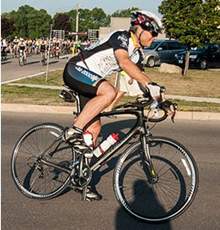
(135, 42)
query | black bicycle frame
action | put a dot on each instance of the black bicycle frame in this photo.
(138, 127)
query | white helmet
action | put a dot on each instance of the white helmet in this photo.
(147, 20)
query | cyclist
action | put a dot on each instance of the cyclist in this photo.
(43, 47)
(22, 48)
(85, 73)
(15, 45)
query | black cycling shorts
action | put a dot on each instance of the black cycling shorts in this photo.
(82, 81)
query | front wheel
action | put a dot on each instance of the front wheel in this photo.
(163, 197)
(31, 176)
(21, 60)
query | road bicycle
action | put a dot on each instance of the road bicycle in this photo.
(43, 59)
(21, 59)
(155, 178)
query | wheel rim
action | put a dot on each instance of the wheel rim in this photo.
(155, 195)
(32, 177)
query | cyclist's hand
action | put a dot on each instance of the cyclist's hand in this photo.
(155, 90)
(170, 108)
(130, 81)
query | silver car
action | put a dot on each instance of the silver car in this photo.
(162, 51)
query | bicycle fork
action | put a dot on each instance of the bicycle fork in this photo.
(146, 158)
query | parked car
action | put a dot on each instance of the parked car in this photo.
(202, 58)
(162, 51)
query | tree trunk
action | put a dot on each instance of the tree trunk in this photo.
(185, 73)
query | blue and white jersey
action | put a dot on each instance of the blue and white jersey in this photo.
(100, 57)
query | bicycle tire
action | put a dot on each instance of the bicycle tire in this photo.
(20, 61)
(164, 199)
(33, 178)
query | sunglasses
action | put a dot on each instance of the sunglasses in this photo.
(153, 33)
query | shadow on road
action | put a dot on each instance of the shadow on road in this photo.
(5, 62)
(143, 201)
(31, 63)
(53, 62)
(146, 202)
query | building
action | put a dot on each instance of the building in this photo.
(120, 23)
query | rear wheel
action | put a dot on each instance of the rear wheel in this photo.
(34, 178)
(164, 196)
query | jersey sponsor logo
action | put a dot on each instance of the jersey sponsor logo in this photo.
(124, 41)
(88, 74)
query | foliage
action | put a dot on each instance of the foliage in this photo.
(89, 19)
(7, 27)
(124, 13)
(29, 22)
(210, 23)
(193, 22)
(62, 22)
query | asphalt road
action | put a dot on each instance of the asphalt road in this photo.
(11, 70)
(69, 212)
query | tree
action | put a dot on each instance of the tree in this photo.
(62, 22)
(89, 19)
(7, 27)
(210, 23)
(124, 13)
(21, 20)
(29, 22)
(193, 22)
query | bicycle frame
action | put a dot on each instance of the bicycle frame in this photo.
(139, 127)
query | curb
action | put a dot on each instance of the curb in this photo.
(26, 108)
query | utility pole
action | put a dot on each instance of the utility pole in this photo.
(48, 54)
(77, 21)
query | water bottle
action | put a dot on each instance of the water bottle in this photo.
(88, 138)
(154, 108)
(101, 149)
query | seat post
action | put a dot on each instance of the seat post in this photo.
(78, 110)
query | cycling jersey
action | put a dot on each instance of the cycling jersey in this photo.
(88, 69)
(43, 46)
(15, 42)
(100, 57)
(22, 46)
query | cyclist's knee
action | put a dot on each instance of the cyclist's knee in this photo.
(107, 91)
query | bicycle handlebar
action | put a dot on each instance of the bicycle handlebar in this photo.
(142, 105)
(155, 105)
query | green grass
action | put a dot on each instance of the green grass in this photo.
(199, 84)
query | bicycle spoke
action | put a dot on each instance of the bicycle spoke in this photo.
(31, 176)
(166, 195)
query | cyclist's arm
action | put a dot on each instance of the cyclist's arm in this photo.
(130, 68)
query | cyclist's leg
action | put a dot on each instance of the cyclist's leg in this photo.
(95, 126)
(97, 104)
(25, 56)
(99, 92)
